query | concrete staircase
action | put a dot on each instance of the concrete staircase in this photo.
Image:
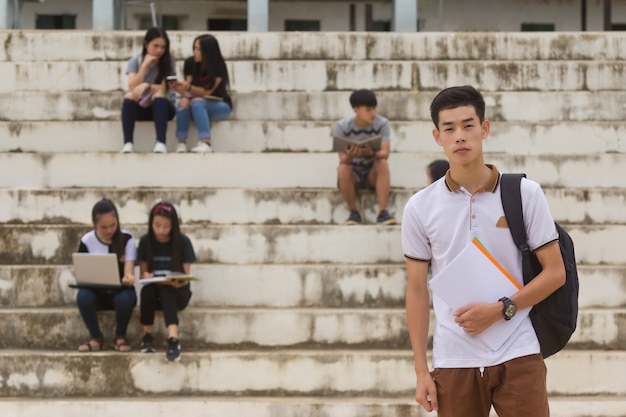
(294, 315)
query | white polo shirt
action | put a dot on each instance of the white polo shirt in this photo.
(437, 224)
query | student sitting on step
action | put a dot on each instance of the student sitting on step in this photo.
(148, 96)
(360, 167)
(108, 237)
(204, 93)
(162, 251)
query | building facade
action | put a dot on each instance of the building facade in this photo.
(328, 15)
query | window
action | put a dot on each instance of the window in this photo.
(302, 25)
(169, 22)
(227, 24)
(55, 21)
(537, 27)
(381, 26)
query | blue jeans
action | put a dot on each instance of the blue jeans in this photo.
(90, 300)
(203, 112)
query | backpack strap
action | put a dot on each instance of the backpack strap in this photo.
(511, 196)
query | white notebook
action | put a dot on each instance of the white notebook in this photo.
(476, 276)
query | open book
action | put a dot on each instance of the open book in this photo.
(340, 142)
(476, 276)
(162, 278)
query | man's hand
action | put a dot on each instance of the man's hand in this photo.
(353, 151)
(475, 318)
(426, 392)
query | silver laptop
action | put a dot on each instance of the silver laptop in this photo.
(96, 270)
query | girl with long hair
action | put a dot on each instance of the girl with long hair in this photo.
(108, 237)
(148, 96)
(204, 92)
(164, 250)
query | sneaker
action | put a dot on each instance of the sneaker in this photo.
(355, 218)
(127, 148)
(147, 343)
(181, 147)
(202, 147)
(159, 148)
(173, 349)
(385, 218)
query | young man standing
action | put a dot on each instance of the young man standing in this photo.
(438, 222)
(360, 167)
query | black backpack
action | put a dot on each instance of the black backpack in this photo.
(554, 318)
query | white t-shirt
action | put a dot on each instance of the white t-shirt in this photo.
(437, 224)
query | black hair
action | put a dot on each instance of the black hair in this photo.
(106, 206)
(437, 169)
(453, 97)
(165, 62)
(167, 210)
(363, 97)
(212, 62)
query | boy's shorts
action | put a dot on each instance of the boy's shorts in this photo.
(361, 176)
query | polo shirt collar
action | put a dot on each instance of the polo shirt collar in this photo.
(490, 186)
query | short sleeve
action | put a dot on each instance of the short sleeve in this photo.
(132, 67)
(82, 248)
(188, 67)
(415, 243)
(142, 255)
(385, 131)
(130, 252)
(337, 130)
(189, 255)
(539, 222)
(221, 70)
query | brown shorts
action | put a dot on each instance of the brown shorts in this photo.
(516, 388)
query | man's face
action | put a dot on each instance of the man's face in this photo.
(461, 134)
(365, 115)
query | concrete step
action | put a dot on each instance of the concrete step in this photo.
(271, 286)
(519, 106)
(37, 45)
(240, 244)
(31, 373)
(275, 170)
(577, 406)
(246, 244)
(515, 138)
(333, 75)
(275, 286)
(217, 407)
(269, 206)
(202, 328)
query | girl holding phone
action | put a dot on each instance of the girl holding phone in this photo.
(204, 93)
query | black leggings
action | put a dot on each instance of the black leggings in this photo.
(161, 111)
(163, 297)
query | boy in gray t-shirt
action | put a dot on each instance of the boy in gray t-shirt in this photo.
(361, 167)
